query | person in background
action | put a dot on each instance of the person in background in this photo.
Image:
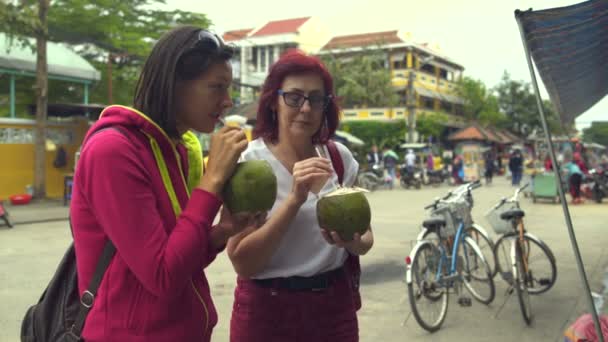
(575, 178)
(374, 157)
(489, 167)
(390, 159)
(410, 160)
(516, 167)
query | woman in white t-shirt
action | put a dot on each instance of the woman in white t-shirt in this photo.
(293, 284)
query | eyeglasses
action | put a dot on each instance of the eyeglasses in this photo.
(296, 100)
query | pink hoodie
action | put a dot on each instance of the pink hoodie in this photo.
(155, 288)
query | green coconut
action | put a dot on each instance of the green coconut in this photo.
(346, 211)
(252, 188)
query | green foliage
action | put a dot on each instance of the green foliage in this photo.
(376, 132)
(480, 104)
(125, 28)
(362, 79)
(597, 132)
(431, 124)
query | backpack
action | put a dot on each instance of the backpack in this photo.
(60, 313)
(353, 264)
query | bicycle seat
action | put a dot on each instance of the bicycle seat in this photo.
(433, 222)
(512, 214)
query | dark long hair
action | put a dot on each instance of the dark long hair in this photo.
(177, 56)
(294, 62)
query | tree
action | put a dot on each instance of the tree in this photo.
(431, 124)
(376, 132)
(597, 133)
(362, 79)
(112, 31)
(479, 103)
(517, 101)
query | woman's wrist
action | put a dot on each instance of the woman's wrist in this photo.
(212, 185)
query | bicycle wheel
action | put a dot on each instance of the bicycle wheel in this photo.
(475, 272)
(542, 271)
(485, 244)
(521, 281)
(428, 297)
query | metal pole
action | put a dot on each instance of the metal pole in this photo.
(562, 196)
(412, 106)
(12, 96)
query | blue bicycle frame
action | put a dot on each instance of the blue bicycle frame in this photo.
(460, 235)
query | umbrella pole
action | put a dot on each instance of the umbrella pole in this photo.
(562, 196)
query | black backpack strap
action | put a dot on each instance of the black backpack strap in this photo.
(88, 297)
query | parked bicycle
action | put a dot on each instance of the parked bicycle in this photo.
(436, 269)
(524, 261)
(475, 231)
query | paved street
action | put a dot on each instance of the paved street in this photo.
(30, 252)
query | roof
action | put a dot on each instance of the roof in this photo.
(62, 61)
(233, 35)
(365, 39)
(280, 27)
(476, 132)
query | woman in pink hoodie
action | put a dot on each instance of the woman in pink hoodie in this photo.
(140, 184)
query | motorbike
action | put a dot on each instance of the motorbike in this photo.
(599, 184)
(410, 177)
(5, 216)
(372, 178)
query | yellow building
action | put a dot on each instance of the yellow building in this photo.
(17, 129)
(417, 70)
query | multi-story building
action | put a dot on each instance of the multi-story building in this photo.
(424, 79)
(259, 48)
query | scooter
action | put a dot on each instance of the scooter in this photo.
(599, 186)
(372, 178)
(4, 215)
(410, 177)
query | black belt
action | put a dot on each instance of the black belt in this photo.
(317, 282)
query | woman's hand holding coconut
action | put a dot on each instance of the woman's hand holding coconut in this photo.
(359, 245)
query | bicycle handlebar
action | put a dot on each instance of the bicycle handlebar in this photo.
(459, 192)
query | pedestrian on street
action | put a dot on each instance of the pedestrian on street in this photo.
(574, 175)
(139, 184)
(374, 157)
(516, 163)
(489, 166)
(297, 281)
(390, 159)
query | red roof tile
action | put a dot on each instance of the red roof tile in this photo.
(355, 40)
(235, 34)
(280, 27)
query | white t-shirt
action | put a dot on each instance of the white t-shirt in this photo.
(303, 251)
(410, 159)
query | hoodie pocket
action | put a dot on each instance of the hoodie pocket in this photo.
(138, 316)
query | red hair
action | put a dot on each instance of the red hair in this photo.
(295, 62)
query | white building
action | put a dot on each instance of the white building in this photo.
(259, 48)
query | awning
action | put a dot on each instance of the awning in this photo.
(569, 46)
(437, 95)
(349, 138)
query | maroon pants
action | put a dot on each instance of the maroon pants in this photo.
(270, 314)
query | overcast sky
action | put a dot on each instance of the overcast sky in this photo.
(481, 35)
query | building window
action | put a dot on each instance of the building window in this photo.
(399, 113)
(441, 83)
(423, 78)
(428, 68)
(433, 81)
(443, 74)
(399, 64)
(254, 58)
(402, 96)
(270, 55)
(377, 113)
(459, 109)
(426, 102)
(263, 58)
(350, 114)
(446, 106)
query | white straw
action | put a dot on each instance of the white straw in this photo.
(320, 154)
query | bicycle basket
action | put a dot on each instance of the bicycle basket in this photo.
(499, 225)
(454, 213)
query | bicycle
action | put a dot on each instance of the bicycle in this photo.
(474, 230)
(428, 277)
(527, 254)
